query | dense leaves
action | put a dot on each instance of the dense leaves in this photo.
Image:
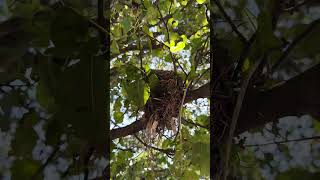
(52, 49)
(163, 35)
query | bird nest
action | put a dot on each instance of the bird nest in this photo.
(162, 108)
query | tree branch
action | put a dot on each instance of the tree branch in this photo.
(298, 96)
(235, 116)
(136, 47)
(166, 151)
(195, 124)
(130, 129)
(228, 19)
(285, 141)
(294, 43)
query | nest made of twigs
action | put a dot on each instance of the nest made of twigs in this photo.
(162, 108)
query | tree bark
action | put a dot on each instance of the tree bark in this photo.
(298, 96)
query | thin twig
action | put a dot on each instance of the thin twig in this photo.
(251, 22)
(233, 26)
(50, 159)
(297, 6)
(166, 151)
(181, 107)
(243, 55)
(86, 162)
(195, 124)
(140, 53)
(127, 149)
(285, 141)
(293, 44)
(236, 114)
(174, 60)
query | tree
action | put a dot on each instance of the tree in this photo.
(258, 53)
(169, 61)
(159, 50)
(246, 58)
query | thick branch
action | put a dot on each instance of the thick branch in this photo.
(201, 92)
(298, 96)
(127, 130)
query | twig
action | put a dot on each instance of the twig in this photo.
(127, 149)
(243, 56)
(293, 44)
(297, 6)
(86, 162)
(204, 72)
(50, 158)
(233, 26)
(181, 107)
(251, 22)
(140, 53)
(166, 151)
(236, 113)
(195, 124)
(282, 142)
(174, 60)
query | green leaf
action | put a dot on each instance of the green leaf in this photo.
(26, 10)
(23, 168)
(152, 15)
(138, 92)
(172, 43)
(180, 46)
(147, 68)
(184, 38)
(146, 94)
(47, 86)
(118, 117)
(25, 138)
(203, 119)
(147, 4)
(173, 23)
(117, 105)
(201, 153)
(126, 24)
(190, 175)
(81, 100)
(183, 2)
(265, 36)
(153, 81)
(114, 47)
(166, 143)
(44, 95)
(246, 65)
(132, 72)
(201, 1)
